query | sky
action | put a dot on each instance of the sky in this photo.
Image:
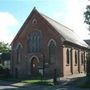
(13, 14)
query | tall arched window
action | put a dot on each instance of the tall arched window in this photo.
(71, 55)
(52, 51)
(82, 58)
(34, 42)
(68, 56)
(18, 53)
(76, 57)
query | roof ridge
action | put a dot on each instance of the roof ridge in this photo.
(78, 41)
(56, 22)
(26, 21)
(68, 34)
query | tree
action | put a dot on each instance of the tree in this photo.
(5, 51)
(4, 48)
(87, 16)
(4, 55)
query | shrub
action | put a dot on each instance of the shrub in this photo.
(4, 72)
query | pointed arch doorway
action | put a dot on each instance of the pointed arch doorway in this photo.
(34, 65)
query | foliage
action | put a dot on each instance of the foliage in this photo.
(4, 72)
(87, 15)
(1, 66)
(4, 51)
(4, 48)
(5, 56)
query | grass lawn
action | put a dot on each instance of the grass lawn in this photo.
(38, 82)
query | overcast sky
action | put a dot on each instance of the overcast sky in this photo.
(13, 13)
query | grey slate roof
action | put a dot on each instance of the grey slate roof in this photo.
(87, 41)
(68, 34)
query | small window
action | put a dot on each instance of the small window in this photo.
(82, 58)
(76, 58)
(71, 55)
(68, 57)
(34, 21)
(18, 53)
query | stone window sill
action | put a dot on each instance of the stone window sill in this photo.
(67, 64)
(75, 65)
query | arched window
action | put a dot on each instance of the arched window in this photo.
(76, 58)
(52, 51)
(18, 53)
(34, 42)
(82, 58)
(68, 56)
(71, 55)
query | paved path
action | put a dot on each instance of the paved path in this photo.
(7, 87)
(38, 87)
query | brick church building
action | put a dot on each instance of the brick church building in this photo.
(43, 45)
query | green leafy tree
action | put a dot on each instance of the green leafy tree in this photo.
(5, 55)
(4, 48)
(5, 51)
(87, 16)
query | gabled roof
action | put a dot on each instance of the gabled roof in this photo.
(24, 24)
(68, 34)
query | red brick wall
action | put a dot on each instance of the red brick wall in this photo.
(48, 32)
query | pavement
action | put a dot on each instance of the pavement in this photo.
(63, 85)
(38, 87)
